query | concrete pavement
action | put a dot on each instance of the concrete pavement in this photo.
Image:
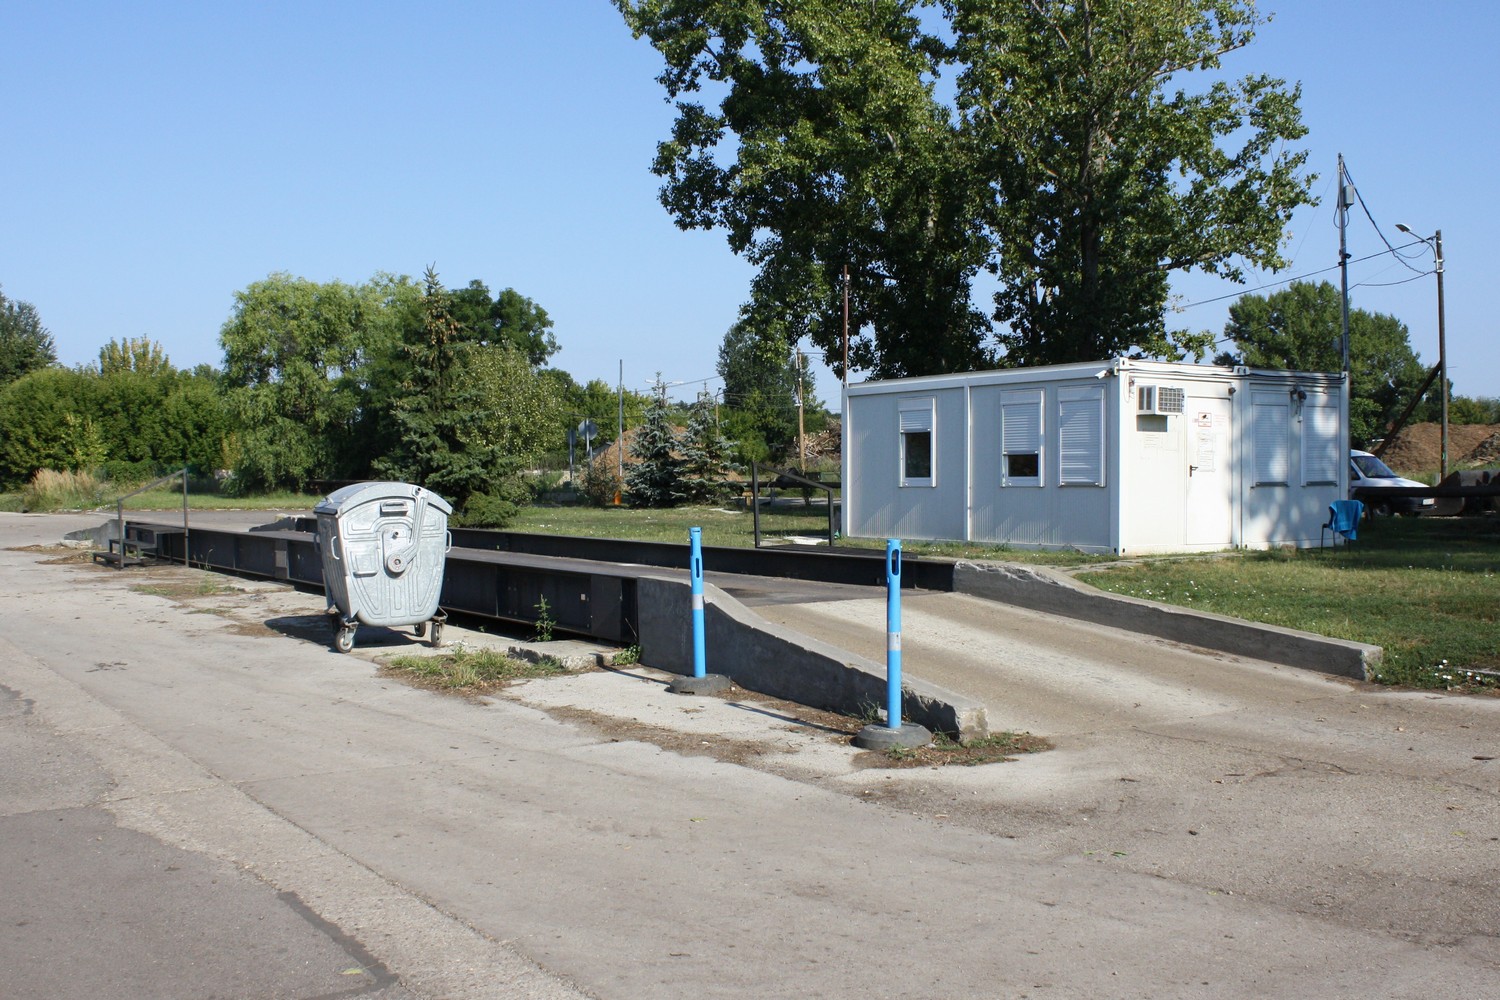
(544, 843)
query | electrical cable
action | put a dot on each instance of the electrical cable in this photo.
(1378, 231)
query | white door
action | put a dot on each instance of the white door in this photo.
(1210, 479)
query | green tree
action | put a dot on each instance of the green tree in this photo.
(134, 354)
(760, 387)
(295, 357)
(509, 317)
(653, 479)
(46, 422)
(1299, 328)
(472, 416)
(25, 345)
(705, 455)
(1474, 410)
(1109, 172)
(194, 423)
(1067, 162)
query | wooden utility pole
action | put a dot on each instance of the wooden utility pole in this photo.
(801, 431)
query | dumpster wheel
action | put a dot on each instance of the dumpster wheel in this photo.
(437, 634)
(343, 639)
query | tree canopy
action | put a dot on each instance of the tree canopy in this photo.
(1049, 142)
(1300, 328)
(508, 318)
(25, 345)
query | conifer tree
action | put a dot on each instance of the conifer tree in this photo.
(654, 479)
(705, 455)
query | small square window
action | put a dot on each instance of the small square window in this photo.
(1023, 466)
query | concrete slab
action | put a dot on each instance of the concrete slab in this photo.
(1208, 826)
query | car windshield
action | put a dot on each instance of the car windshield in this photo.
(1372, 468)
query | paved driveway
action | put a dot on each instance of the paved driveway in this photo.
(1205, 828)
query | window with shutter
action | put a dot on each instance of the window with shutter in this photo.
(1021, 437)
(1321, 455)
(1080, 435)
(1270, 416)
(916, 442)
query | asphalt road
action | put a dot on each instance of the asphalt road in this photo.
(202, 799)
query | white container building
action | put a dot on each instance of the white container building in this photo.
(1117, 456)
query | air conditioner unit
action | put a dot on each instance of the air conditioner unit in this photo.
(1159, 399)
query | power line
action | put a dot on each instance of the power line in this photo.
(1307, 274)
(1378, 231)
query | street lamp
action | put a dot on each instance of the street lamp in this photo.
(1435, 241)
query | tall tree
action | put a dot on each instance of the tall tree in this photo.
(1065, 163)
(652, 480)
(1109, 173)
(509, 317)
(1300, 327)
(134, 354)
(705, 454)
(25, 345)
(471, 416)
(759, 386)
(293, 356)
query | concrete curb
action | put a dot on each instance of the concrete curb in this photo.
(1042, 589)
(774, 660)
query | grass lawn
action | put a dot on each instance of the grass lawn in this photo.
(735, 527)
(167, 499)
(1426, 590)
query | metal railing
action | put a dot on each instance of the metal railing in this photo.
(120, 510)
(802, 482)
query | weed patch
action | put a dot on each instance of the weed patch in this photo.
(943, 751)
(470, 671)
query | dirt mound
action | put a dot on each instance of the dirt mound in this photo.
(1418, 449)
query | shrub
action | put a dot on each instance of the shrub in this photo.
(53, 490)
(601, 482)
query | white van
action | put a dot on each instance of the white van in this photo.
(1368, 476)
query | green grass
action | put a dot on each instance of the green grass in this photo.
(1426, 590)
(732, 527)
(464, 670)
(170, 499)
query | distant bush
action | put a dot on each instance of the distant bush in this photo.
(52, 490)
(601, 483)
(125, 476)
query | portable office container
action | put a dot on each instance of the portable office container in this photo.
(383, 547)
(1118, 456)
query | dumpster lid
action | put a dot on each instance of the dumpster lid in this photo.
(357, 493)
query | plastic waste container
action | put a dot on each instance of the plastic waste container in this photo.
(383, 547)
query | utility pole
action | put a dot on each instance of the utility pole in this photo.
(1437, 248)
(801, 432)
(846, 324)
(1345, 188)
(1436, 242)
(620, 425)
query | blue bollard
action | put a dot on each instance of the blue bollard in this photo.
(895, 733)
(893, 633)
(695, 575)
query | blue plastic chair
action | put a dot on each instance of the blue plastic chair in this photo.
(1343, 519)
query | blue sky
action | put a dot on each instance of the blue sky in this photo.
(161, 156)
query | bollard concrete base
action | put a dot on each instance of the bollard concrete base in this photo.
(908, 737)
(707, 684)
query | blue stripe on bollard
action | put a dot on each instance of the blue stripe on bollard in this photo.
(695, 575)
(893, 633)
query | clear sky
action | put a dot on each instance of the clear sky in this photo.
(161, 156)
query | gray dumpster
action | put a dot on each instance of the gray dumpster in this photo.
(383, 547)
